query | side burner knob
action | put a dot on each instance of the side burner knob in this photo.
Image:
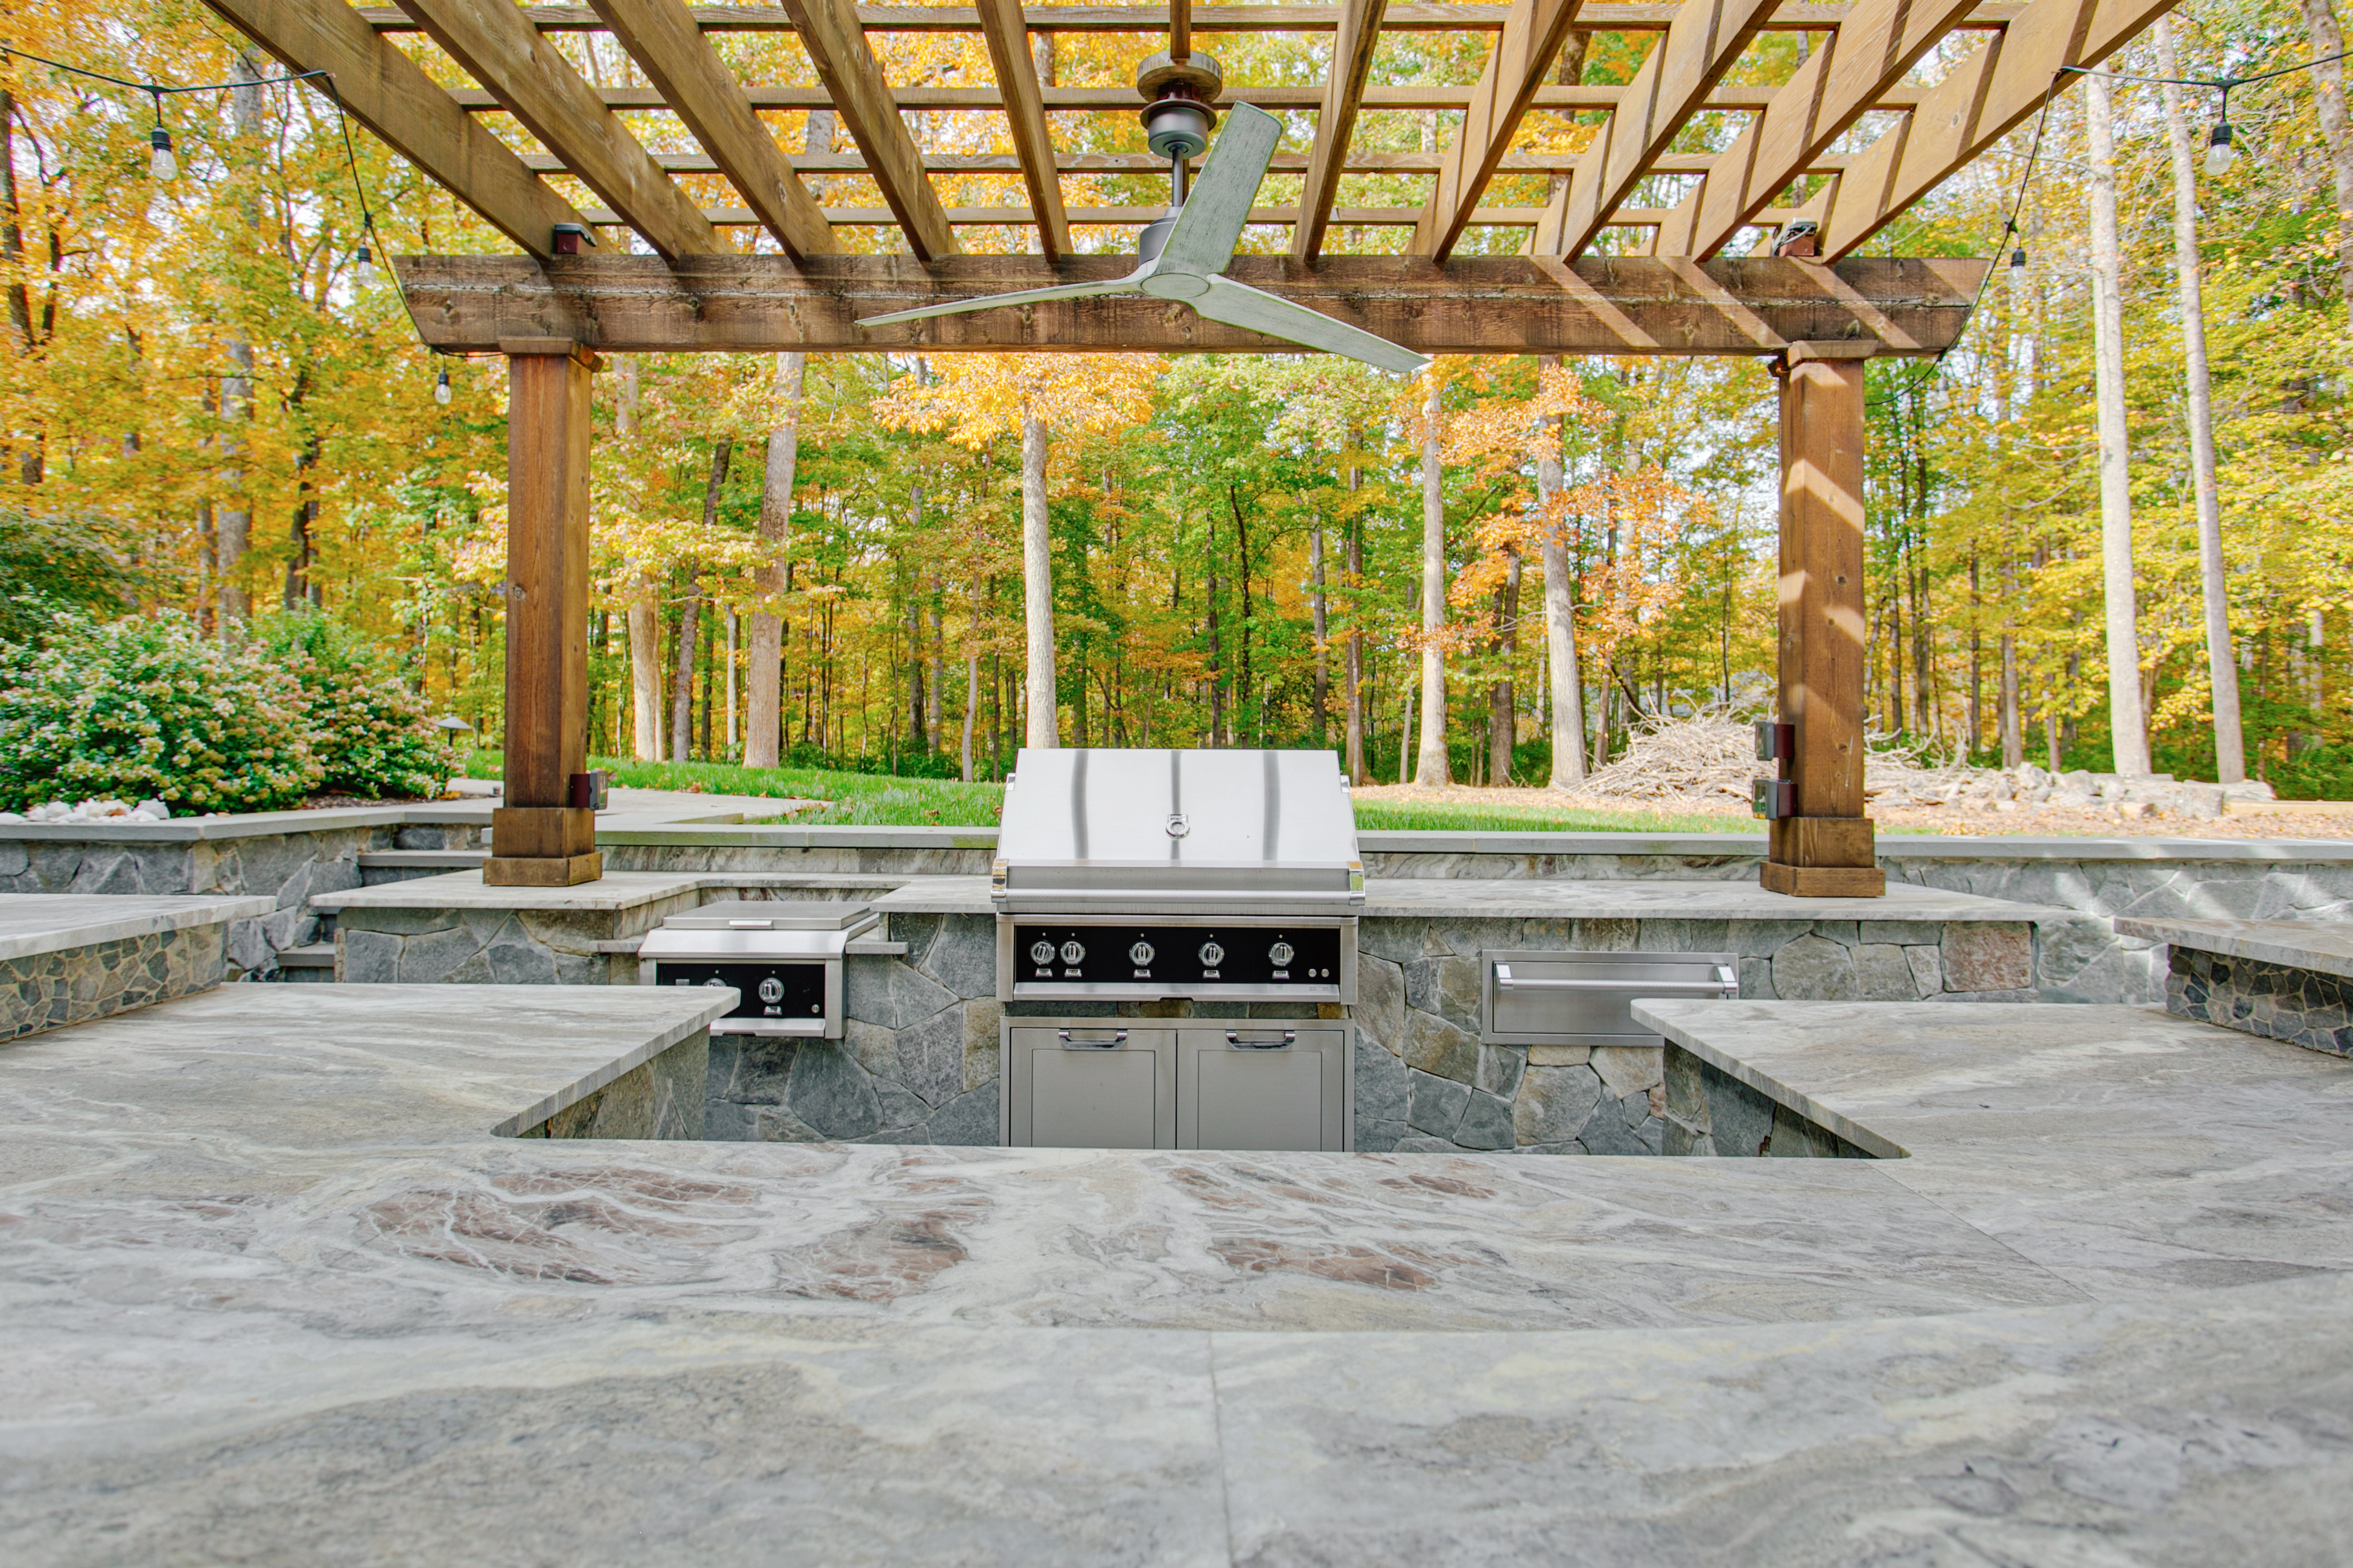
(1212, 954)
(1281, 954)
(1141, 955)
(1041, 952)
(1073, 952)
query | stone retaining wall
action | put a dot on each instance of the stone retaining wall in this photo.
(47, 990)
(1710, 1112)
(662, 1097)
(2301, 1007)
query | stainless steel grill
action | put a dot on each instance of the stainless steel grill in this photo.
(782, 957)
(1143, 875)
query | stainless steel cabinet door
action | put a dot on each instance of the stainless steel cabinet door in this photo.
(1262, 1085)
(1089, 1086)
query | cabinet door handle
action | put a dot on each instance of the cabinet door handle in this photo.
(1118, 1038)
(1234, 1037)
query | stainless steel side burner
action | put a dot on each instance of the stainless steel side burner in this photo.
(1143, 875)
(782, 957)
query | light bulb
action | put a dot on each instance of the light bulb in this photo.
(2017, 269)
(161, 164)
(441, 389)
(2220, 153)
(366, 274)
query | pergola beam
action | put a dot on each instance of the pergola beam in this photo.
(391, 95)
(1356, 163)
(1507, 84)
(1601, 16)
(854, 79)
(1136, 217)
(1472, 305)
(1123, 100)
(1025, 108)
(498, 49)
(1978, 101)
(1706, 37)
(1832, 89)
(1353, 48)
(662, 38)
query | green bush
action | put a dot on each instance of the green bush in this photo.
(143, 708)
(371, 732)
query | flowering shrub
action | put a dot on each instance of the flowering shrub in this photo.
(370, 731)
(143, 708)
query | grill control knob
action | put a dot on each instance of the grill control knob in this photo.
(771, 989)
(1212, 955)
(1041, 952)
(1139, 954)
(1073, 952)
(1280, 955)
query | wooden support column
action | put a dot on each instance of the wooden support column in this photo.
(538, 839)
(1826, 850)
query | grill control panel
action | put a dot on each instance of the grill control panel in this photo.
(1172, 957)
(779, 991)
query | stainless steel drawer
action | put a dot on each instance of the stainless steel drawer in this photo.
(1535, 999)
(1100, 1084)
(1262, 1084)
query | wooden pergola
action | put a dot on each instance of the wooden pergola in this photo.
(1643, 245)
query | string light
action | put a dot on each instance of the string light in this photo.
(2220, 153)
(162, 167)
(441, 387)
(365, 274)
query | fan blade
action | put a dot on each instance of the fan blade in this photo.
(1018, 296)
(1209, 223)
(1239, 305)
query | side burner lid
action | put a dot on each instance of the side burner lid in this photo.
(773, 914)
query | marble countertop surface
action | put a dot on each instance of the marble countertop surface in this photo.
(277, 1294)
(33, 923)
(1389, 898)
(2324, 946)
(613, 891)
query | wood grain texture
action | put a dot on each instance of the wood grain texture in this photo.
(1346, 217)
(1507, 84)
(1123, 100)
(1353, 48)
(1822, 582)
(854, 79)
(498, 49)
(1472, 305)
(388, 93)
(1025, 113)
(674, 55)
(1832, 89)
(1358, 161)
(547, 580)
(1704, 39)
(1999, 86)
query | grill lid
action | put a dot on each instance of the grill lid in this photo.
(1161, 828)
(773, 914)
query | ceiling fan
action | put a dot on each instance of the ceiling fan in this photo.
(1184, 255)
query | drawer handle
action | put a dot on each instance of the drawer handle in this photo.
(1118, 1038)
(1234, 1037)
(1725, 980)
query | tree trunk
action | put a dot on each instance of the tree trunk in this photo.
(681, 691)
(1358, 773)
(236, 525)
(1977, 660)
(763, 718)
(1323, 630)
(644, 615)
(2223, 667)
(1560, 625)
(2128, 727)
(1503, 705)
(971, 704)
(937, 664)
(1430, 767)
(2328, 98)
(731, 736)
(1043, 731)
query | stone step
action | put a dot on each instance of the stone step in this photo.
(318, 955)
(379, 867)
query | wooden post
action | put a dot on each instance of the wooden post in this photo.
(1826, 850)
(538, 839)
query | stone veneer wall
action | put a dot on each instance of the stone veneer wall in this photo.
(662, 1096)
(287, 867)
(47, 990)
(2301, 1007)
(1712, 1112)
(1425, 1082)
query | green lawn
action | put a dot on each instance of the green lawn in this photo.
(879, 800)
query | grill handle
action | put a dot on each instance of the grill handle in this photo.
(1118, 1038)
(1234, 1037)
(1725, 980)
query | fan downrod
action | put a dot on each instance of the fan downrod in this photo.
(1176, 124)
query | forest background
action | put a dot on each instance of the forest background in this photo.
(208, 410)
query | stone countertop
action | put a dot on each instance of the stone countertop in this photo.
(2327, 948)
(33, 923)
(1406, 898)
(275, 1293)
(613, 891)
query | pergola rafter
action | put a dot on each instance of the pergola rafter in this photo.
(1647, 242)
